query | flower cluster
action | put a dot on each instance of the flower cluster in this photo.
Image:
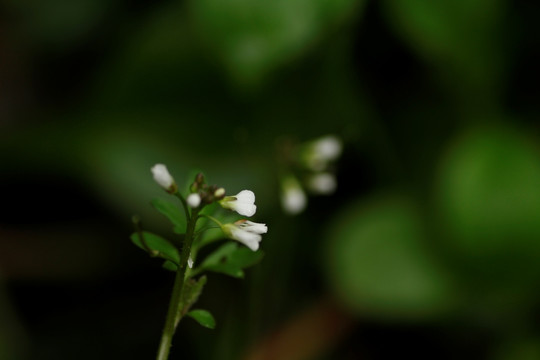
(309, 168)
(201, 194)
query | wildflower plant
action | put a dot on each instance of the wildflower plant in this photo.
(204, 209)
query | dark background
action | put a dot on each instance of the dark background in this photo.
(429, 248)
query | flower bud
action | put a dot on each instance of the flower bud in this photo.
(193, 200)
(219, 193)
(199, 178)
(164, 178)
(293, 198)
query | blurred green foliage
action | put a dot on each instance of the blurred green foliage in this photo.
(379, 261)
(435, 223)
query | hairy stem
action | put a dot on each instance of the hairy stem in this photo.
(174, 312)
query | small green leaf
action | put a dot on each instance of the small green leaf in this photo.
(220, 254)
(230, 259)
(227, 269)
(203, 317)
(244, 257)
(169, 265)
(174, 213)
(156, 246)
(210, 235)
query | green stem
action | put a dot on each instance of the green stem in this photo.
(184, 205)
(174, 313)
(213, 219)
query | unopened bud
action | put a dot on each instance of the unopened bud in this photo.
(219, 193)
(199, 178)
(193, 200)
(164, 178)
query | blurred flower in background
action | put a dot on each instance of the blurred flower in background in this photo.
(417, 119)
(307, 166)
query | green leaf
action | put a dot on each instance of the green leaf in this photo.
(220, 254)
(173, 212)
(203, 317)
(253, 38)
(378, 263)
(156, 246)
(210, 235)
(219, 261)
(244, 257)
(489, 198)
(230, 259)
(169, 265)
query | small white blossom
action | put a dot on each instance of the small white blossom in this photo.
(163, 177)
(293, 198)
(243, 203)
(190, 262)
(318, 153)
(322, 183)
(246, 232)
(193, 200)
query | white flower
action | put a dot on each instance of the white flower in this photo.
(246, 232)
(164, 178)
(193, 200)
(293, 198)
(322, 183)
(190, 262)
(318, 153)
(243, 203)
(251, 226)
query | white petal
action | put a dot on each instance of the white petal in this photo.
(324, 183)
(254, 227)
(328, 147)
(245, 209)
(245, 196)
(318, 153)
(247, 238)
(243, 203)
(293, 198)
(294, 201)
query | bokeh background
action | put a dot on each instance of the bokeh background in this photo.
(430, 246)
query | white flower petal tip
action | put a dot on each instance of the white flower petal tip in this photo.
(193, 200)
(163, 178)
(323, 183)
(293, 198)
(318, 153)
(249, 235)
(251, 226)
(243, 203)
(328, 147)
